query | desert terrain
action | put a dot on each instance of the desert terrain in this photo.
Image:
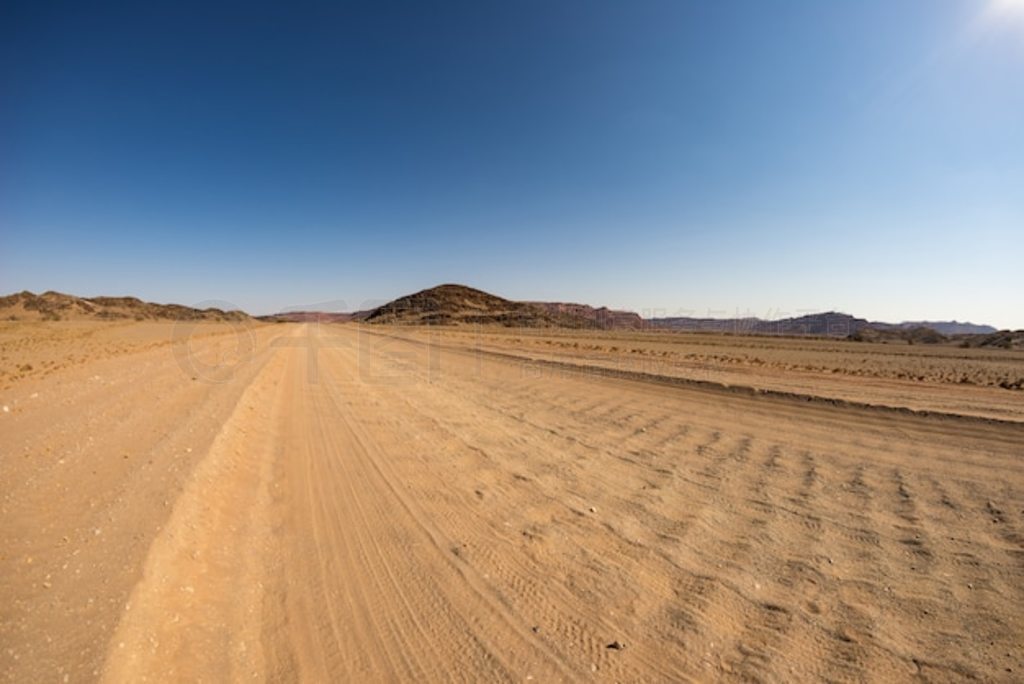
(221, 500)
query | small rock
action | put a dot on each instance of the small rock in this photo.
(593, 510)
(7, 409)
(616, 645)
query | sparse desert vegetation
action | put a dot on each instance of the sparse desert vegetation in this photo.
(988, 379)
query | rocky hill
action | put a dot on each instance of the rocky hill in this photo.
(457, 304)
(56, 306)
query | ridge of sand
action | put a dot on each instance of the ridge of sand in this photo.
(204, 575)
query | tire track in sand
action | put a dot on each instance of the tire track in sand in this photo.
(195, 614)
(371, 589)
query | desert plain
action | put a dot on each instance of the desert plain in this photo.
(227, 501)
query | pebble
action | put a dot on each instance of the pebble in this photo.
(7, 409)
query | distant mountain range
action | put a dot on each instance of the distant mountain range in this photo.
(831, 323)
(459, 304)
(311, 317)
(824, 324)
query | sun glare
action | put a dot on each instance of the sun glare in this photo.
(1007, 7)
(1002, 14)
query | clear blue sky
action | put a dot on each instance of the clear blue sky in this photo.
(683, 156)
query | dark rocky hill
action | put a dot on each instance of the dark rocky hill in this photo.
(457, 304)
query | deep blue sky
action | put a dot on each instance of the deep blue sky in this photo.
(704, 157)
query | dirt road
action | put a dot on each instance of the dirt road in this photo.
(350, 506)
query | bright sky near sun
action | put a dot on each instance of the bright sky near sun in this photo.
(684, 157)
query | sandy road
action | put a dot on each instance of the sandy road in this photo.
(351, 506)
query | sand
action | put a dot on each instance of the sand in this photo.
(332, 503)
